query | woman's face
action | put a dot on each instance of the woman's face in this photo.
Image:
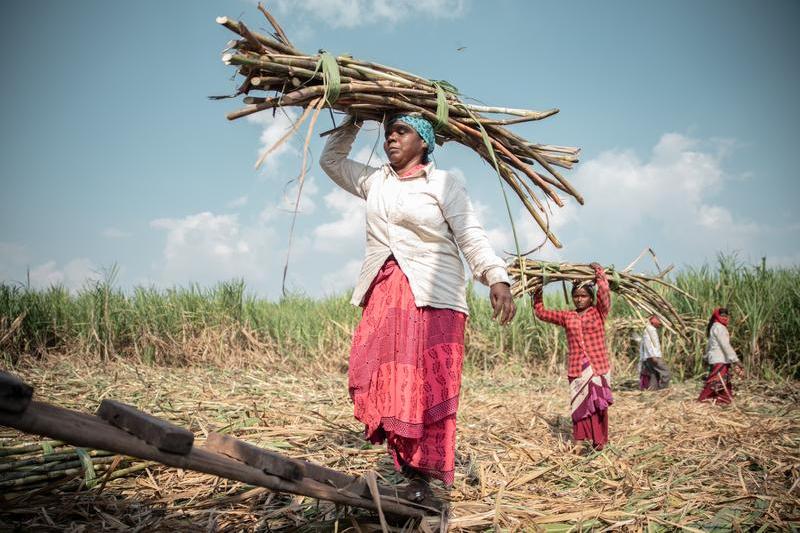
(403, 145)
(582, 299)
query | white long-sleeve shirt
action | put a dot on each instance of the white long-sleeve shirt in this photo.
(650, 345)
(719, 348)
(422, 221)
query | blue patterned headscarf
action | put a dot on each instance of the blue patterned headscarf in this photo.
(421, 126)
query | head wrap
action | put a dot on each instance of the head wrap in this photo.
(588, 286)
(717, 316)
(421, 126)
(655, 320)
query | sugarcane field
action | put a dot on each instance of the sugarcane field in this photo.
(354, 266)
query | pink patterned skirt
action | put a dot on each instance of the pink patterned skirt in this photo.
(718, 387)
(590, 397)
(405, 375)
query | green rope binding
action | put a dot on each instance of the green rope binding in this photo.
(442, 108)
(89, 475)
(616, 280)
(330, 73)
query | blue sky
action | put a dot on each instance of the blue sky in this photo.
(686, 112)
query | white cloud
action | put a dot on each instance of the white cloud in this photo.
(346, 233)
(273, 128)
(369, 156)
(115, 233)
(351, 13)
(74, 275)
(17, 266)
(237, 202)
(207, 248)
(667, 200)
(288, 200)
(342, 279)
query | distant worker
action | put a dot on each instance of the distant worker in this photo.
(653, 373)
(721, 358)
(588, 368)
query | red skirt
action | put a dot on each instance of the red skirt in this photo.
(718, 387)
(405, 375)
(593, 428)
(590, 397)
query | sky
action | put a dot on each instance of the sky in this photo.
(112, 155)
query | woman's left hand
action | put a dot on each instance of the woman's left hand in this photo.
(502, 303)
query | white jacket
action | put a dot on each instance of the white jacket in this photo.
(649, 344)
(719, 348)
(422, 221)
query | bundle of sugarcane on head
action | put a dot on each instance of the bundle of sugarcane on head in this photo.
(371, 91)
(530, 276)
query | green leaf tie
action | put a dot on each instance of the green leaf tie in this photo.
(330, 72)
(89, 475)
(442, 108)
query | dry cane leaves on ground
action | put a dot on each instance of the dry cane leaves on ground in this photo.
(672, 463)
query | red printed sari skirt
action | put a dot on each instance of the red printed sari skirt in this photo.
(590, 397)
(405, 375)
(718, 387)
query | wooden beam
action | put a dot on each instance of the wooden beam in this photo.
(162, 434)
(270, 462)
(15, 394)
(282, 466)
(81, 429)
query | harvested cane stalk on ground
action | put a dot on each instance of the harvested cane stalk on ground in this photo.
(637, 289)
(49, 464)
(373, 92)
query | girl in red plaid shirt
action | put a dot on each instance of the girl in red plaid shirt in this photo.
(588, 368)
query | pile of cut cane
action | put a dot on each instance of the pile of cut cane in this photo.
(270, 63)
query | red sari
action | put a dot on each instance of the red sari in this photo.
(405, 375)
(718, 387)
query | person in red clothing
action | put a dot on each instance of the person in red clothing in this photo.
(588, 368)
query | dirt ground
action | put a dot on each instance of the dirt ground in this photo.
(672, 463)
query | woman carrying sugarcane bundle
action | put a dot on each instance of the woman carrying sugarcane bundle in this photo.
(588, 367)
(653, 373)
(721, 359)
(407, 350)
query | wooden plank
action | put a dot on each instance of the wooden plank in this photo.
(15, 394)
(81, 429)
(282, 466)
(279, 465)
(268, 461)
(162, 434)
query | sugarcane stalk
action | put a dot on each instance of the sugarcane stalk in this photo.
(28, 448)
(264, 40)
(58, 466)
(49, 458)
(281, 34)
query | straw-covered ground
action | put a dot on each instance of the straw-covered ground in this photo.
(673, 463)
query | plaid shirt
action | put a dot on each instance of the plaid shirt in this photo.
(586, 336)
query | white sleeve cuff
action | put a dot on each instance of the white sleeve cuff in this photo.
(497, 274)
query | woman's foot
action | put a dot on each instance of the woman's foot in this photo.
(418, 489)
